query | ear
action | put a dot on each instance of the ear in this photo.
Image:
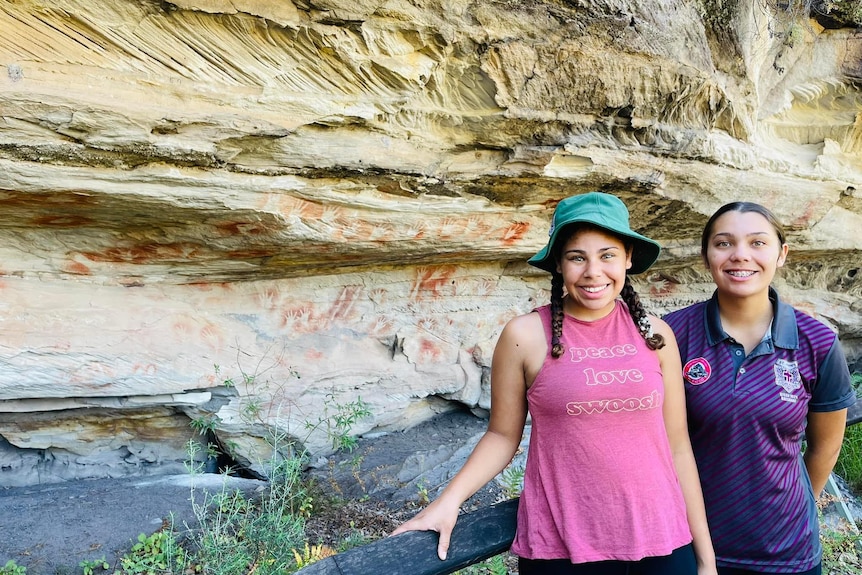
(782, 255)
(629, 251)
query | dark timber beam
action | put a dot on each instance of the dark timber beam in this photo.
(477, 536)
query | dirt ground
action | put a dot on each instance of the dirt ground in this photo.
(50, 529)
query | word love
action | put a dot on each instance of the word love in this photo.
(613, 376)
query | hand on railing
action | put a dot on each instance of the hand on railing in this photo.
(439, 516)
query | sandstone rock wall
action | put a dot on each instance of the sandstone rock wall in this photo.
(247, 215)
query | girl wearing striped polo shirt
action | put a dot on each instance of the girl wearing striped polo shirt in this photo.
(759, 375)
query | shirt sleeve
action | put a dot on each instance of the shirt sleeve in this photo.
(833, 390)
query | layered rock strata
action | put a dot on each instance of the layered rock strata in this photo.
(228, 222)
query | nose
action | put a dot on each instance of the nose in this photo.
(740, 253)
(593, 268)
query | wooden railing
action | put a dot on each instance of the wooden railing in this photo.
(477, 536)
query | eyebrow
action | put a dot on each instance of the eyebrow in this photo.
(585, 251)
(728, 234)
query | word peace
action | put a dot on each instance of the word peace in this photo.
(580, 353)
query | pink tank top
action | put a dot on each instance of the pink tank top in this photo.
(600, 482)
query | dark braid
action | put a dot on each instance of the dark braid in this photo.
(556, 314)
(639, 315)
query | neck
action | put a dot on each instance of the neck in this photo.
(584, 314)
(746, 319)
(745, 309)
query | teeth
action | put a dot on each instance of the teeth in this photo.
(737, 274)
(594, 289)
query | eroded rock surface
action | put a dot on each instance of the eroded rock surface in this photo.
(250, 214)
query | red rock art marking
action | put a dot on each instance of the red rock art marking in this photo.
(342, 307)
(91, 372)
(416, 230)
(381, 326)
(428, 350)
(212, 336)
(515, 232)
(662, 286)
(147, 253)
(434, 282)
(242, 229)
(76, 268)
(805, 219)
(314, 355)
(379, 296)
(476, 227)
(145, 369)
(62, 221)
(450, 227)
(188, 329)
(298, 319)
(486, 287)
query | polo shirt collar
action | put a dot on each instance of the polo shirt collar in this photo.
(784, 332)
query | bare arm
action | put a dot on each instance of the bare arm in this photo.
(683, 458)
(824, 434)
(500, 442)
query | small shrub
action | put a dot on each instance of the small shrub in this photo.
(513, 481)
(156, 553)
(89, 567)
(849, 464)
(12, 568)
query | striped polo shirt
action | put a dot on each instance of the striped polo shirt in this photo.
(747, 417)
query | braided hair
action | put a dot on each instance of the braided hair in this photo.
(628, 295)
(639, 315)
(556, 314)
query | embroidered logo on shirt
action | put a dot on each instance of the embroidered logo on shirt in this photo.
(787, 377)
(697, 371)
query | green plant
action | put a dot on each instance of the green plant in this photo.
(264, 533)
(90, 567)
(338, 419)
(354, 538)
(12, 568)
(856, 381)
(238, 531)
(513, 481)
(841, 551)
(849, 464)
(310, 554)
(156, 553)
(205, 423)
(422, 492)
(495, 565)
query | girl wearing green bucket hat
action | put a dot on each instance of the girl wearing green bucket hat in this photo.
(610, 485)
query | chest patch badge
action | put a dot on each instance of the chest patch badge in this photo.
(787, 377)
(697, 371)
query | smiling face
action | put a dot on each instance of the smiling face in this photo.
(742, 251)
(593, 264)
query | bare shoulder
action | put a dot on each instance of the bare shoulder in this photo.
(521, 349)
(524, 328)
(669, 353)
(524, 337)
(661, 327)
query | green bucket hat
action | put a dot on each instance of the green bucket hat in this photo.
(604, 211)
